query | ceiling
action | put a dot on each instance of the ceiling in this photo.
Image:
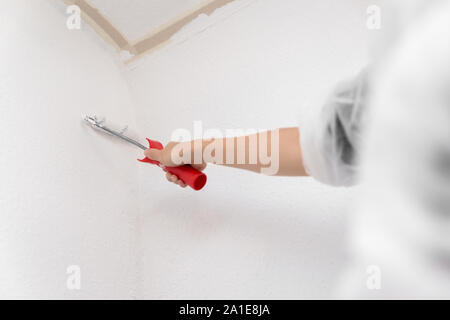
(140, 26)
(136, 18)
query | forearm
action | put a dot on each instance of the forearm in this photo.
(275, 152)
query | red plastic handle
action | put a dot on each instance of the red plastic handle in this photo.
(190, 176)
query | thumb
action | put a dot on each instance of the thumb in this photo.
(153, 154)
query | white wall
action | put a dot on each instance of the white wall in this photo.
(68, 196)
(246, 236)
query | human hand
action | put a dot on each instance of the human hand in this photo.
(164, 157)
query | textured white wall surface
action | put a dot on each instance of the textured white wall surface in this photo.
(69, 196)
(246, 236)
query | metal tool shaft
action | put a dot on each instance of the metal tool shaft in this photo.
(94, 122)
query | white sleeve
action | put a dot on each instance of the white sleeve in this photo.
(330, 139)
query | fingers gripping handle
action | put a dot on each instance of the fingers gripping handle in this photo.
(190, 176)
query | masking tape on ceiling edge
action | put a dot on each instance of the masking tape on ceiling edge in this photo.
(102, 25)
(166, 31)
(152, 41)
